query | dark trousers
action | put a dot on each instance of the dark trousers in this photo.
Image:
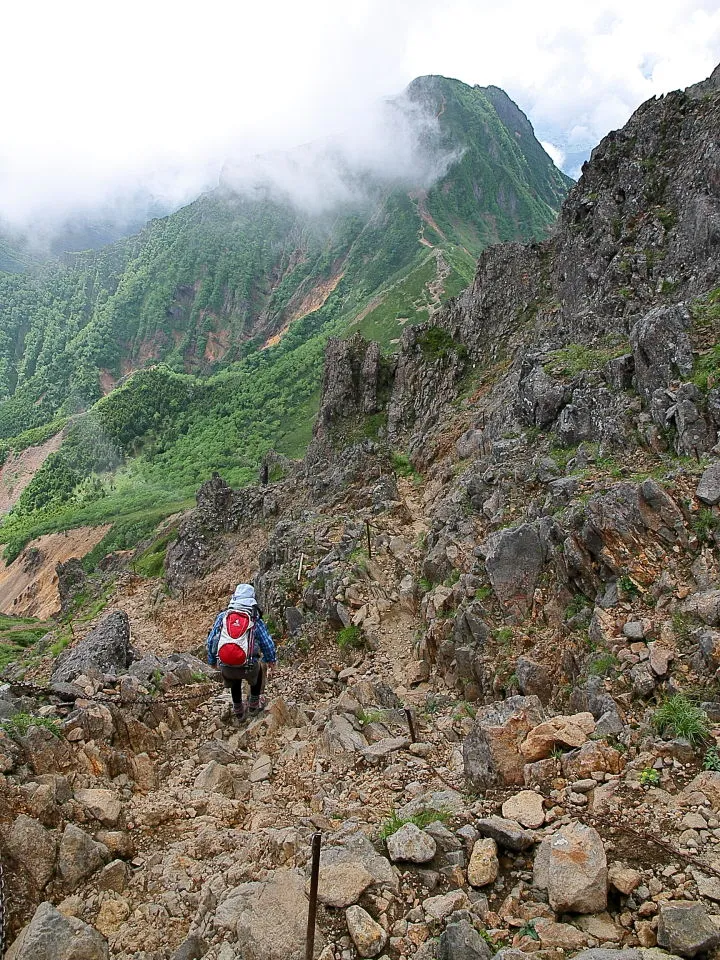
(254, 676)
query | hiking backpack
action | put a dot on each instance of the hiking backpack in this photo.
(237, 638)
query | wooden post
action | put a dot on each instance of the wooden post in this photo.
(312, 906)
(411, 725)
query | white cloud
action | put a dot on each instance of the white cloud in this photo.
(103, 97)
(555, 153)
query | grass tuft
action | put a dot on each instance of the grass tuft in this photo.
(422, 819)
(19, 725)
(681, 718)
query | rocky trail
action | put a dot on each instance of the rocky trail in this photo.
(511, 530)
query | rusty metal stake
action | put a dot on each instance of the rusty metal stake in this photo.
(411, 725)
(367, 531)
(312, 907)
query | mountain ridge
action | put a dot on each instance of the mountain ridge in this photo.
(203, 291)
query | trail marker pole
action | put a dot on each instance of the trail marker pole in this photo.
(367, 531)
(411, 725)
(312, 907)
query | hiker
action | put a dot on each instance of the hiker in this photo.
(234, 645)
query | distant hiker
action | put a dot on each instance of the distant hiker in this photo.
(235, 643)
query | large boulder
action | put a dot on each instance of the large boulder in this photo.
(491, 751)
(565, 732)
(103, 805)
(661, 349)
(461, 941)
(80, 856)
(367, 935)
(708, 490)
(33, 847)
(572, 865)
(540, 397)
(412, 844)
(52, 936)
(533, 679)
(686, 929)
(105, 650)
(268, 917)
(604, 542)
(513, 561)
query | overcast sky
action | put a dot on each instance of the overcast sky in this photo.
(101, 97)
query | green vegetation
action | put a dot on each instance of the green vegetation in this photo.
(603, 666)
(706, 525)
(681, 718)
(628, 586)
(711, 760)
(576, 358)
(403, 467)
(350, 638)
(172, 324)
(371, 716)
(649, 777)
(422, 819)
(19, 725)
(437, 344)
(17, 635)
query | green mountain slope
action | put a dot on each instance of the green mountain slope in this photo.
(235, 296)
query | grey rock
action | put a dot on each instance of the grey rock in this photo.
(686, 929)
(268, 917)
(506, 833)
(356, 850)
(643, 679)
(461, 941)
(609, 725)
(708, 490)
(383, 748)
(339, 736)
(411, 843)
(577, 875)
(342, 883)
(367, 935)
(52, 936)
(194, 948)
(215, 778)
(105, 650)
(448, 801)
(80, 856)
(661, 348)
(533, 678)
(33, 847)
(513, 562)
(540, 398)
(607, 953)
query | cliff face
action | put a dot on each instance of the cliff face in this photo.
(639, 232)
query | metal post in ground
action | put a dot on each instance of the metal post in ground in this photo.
(411, 725)
(312, 907)
(367, 531)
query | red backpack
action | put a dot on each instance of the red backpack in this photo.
(237, 638)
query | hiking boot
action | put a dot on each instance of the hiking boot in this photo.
(240, 710)
(257, 704)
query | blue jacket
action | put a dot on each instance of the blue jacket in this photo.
(263, 642)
